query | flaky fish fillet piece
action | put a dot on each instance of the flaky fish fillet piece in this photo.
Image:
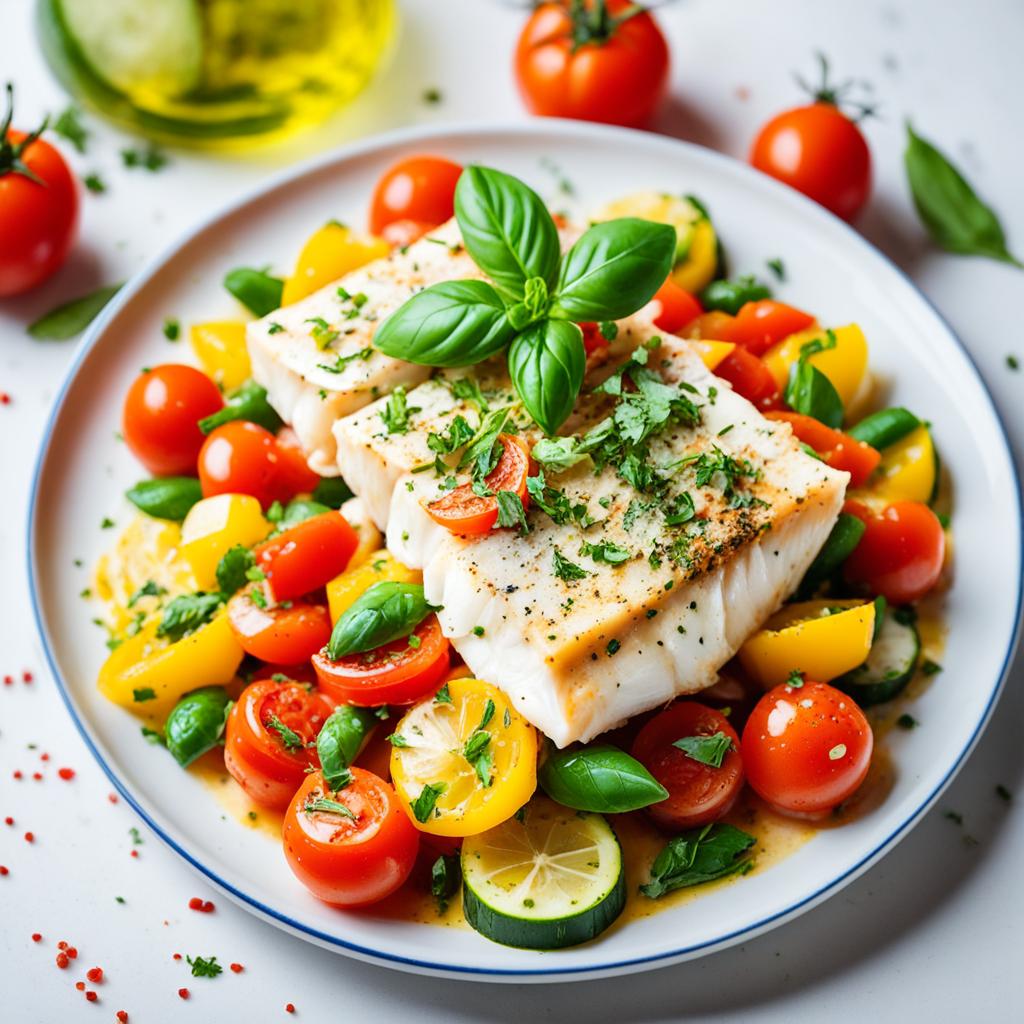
(580, 656)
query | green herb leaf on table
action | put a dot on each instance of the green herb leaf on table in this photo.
(69, 126)
(709, 750)
(385, 612)
(71, 318)
(204, 967)
(954, 216)
(599, 778)
(257, 290)
(168, 497)
(701, 855)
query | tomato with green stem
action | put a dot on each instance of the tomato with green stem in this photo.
(38, 207)
(819, 150)
(412, 197)
(594, 60)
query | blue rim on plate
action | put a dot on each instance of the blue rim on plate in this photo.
(560, 129)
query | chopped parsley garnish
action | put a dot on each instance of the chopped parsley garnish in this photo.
(556, 504)
(172, 328)
(148, 589)
(136, 835)
(423, 806)
(709, 750)
(700, 855)
(1003, 793)
(150, 158)
(1013, 362)
(327, 806)
(397, 411)
(187, 613)
(204, 967)
(468, 390)
(69, 126)
(613, 647)
(679, 509)
(566, 570)
(274, 327)
(236, 565)
(289, 738)
(443, 696)
(930, 668)
(397, 740)
(94, 183)
(445, 876)
(777, 267)
(907, 722)
(510, 511)
(605, 551)
(143, 694)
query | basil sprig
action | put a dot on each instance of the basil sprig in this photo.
(600, 778)
(612, 270)
(385, 612)
(166, 497)
(955, 217)
(698, 856)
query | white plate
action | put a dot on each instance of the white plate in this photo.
(82, 472)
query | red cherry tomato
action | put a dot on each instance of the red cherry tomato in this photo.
(38, 208)
(598, 61)
(715, 325)
(307, 555)
(349, 857)
(415, 195)
(806, 749)
(293, 473)
(161, 412)
(759, 325)
(285, 635)
(466, 513)
(750, 378)
(593, 340)
(697, 793)
(678, 307)
(839, 450)
(901, 552)
(397, 673)
(270, 738)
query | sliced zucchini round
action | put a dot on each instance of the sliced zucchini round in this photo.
(890, 664)
(553, 879)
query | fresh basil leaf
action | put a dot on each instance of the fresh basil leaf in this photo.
(168, 497)
(599, 778)
(385, 612)
(445, 878)
(423, 805)
(248, 402)
(955, 217)
(299, 510)
(480, 445)
(810, 392)
(232, 568)
(558, 453)
(187, 613)
(257, 290)
(709, 750)
(71, 318)
(546, 363)
(455, 323)
(698, 856)
(332, 491)
(731, 296)
(340, 740)
(510, 511)
(197, 723)
(605, 551)
(507, 229)
(613, 269)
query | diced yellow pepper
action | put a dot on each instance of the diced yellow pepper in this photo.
(216, 524)
(713, 352)
(208, 657)
(908, 470)
(820, 639)
(845, 364)
(220, 348)
(379, 567)
(698, 268)
(331, 252)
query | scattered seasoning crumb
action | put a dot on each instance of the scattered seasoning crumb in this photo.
(183, 993)
(112, 797)
(26, 676)
(62, 961)
(4, 870)
(91, 996)
(95, 975)
(203, 906)
(30, 837)
(289, 1007)
(44, 756)
(72, 952)
(135, 853)
(5, 399)
(432, 96)
(120, 899)
(62, 944)
(8, 680)
(80, 985)
(122, 1016)
(17, 774)
(94, 183)
(36, 937)
(67, 774)
(38, 776)
(907, 722)
(8, 820)
(137, 839)
(1003, 793)
(1013, 362)
(954, 816)
(237, 968)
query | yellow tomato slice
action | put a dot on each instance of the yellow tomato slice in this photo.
(379, 567)
(820, 639)
(845, 365)
(430, 750)
(220, 348)
(330, 253)
(908, 470)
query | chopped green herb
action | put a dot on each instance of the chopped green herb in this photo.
(397, 411)
(186, 613)
(289, 738)
(172, 328)
(443, 696)
(143, 694)
(605, 551)
(69, 126)
(701, 855)
(566, 570)
(510, 511)
(151, 158)
(423, 806)
(907, 722)
(94, 183)
(709, 750)
(325, 806)
(204, 967)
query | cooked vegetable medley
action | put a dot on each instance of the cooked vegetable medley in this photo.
(496, 539)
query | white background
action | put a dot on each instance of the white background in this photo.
(931, 933)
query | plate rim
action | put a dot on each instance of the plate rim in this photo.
(556, 129)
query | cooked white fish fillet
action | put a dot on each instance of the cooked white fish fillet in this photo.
(581, 655)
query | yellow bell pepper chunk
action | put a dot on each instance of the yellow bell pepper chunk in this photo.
(713, 352)
(845, 365)
(908, 470)
(379, 567)
(820, 639)
(221, 350)
(331, 252)
(697, 269)
(216, 524)
(208, 657)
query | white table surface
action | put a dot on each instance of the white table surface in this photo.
(930, 933)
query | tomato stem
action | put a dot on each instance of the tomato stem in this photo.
(11, 153)
(836, 95)
(593, 24)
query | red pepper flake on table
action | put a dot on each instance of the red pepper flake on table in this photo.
(4, 870)
(95, 975)
(183, 993)
(122, 1016)
(237, 968)
(36, 937)
(26, 676)
(67, 774)
(30, 837)
(203, 906)
(8, 820)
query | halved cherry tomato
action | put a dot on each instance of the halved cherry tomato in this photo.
(715, 325)
(415, 194)
(397, 673)
(603, 60)
(286, 634)
(354, 854)
(293, 473)
(806, 749)
(759, 325)
(270, 738)
(750, 378)
(697, 793)
(678, 308)
(160, 417)
(306, 556)
(901, 552)
(593, 340)
(466, 513)
(839, 450)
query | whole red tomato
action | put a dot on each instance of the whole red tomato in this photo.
(818, 150)
(599, 60)
(38, 207)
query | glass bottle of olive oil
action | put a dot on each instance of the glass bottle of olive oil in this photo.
(215, 73)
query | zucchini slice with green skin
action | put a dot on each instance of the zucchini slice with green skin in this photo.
(890, 665)
(553, 879)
